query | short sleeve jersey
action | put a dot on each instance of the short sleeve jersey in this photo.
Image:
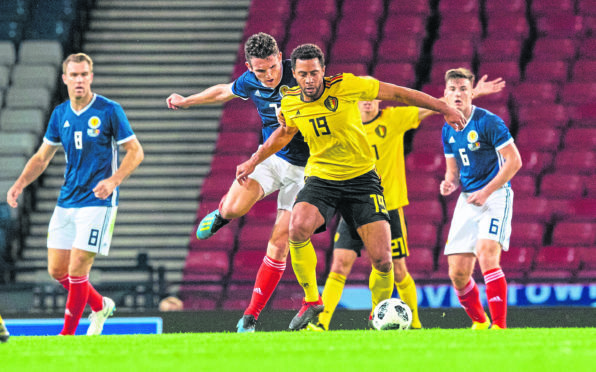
(476, 148)
(332, 126)
(385, 135)
(267, 100)
(90, 138)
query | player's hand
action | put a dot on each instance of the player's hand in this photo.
(280, 117)
(244, 170)
(175, 101)
(12, 195)
(484, 87)
(455, 118)
(446, 187)
(104, 189)
(477, 198)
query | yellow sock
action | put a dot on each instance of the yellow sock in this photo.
(334, 286)
(304, 263)
(381, 285)
(407, 292)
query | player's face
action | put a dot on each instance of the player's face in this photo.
(78, 78)
(369, 107)
(309, 74)
(459, 94)
(267, 70)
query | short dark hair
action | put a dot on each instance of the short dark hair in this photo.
(307, 51)
(260, 45)
(460, 73)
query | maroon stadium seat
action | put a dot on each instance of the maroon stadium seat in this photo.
(583, 115)
(508, 26)
(584, 71)
(356, 8)
(538, 139)
(323, 241)
(347, 51)
(509, 71)
(216, 185)
(206, 265)
(296, 39)
(238, 296)
(264, 212)
(554, 49)
(398, 26)
(396, 73)
(246, 263)
(587, 49)
(225, 164)
(426, 211)
(200, 296)
(315, 28)
(414, 7)
(555, 262)
(324, 9)
(458, 24)
(255, 235)
(588, 264)
(358, 69)
(511, 8)
(399, 50)
(422, 161)
(524, 185)
(577, 93)
(535, 209)
(575, 161)
(498, 108)
(232, 143)
(580, 138)
(428, 135)
(358, 26)
(527, 234)
(562, 186)
(420, 262)
(265, 10)
(273, 27)
(574, 234)
(517, 261)
(546, 71)
(287, 296)
(453, 49)
(534, 163)
(499, 50)
(470, 8)
(361, 269)
(422, 234)
(535, 93)
(561, 25)
(552, 7)
(422, 186)
(543, 116)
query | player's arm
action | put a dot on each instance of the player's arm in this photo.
(451, 181)
(277, 141)
(133, 157)
(215, 94)
(36, 165)
(411, 97)
(483, 88)
(510, 167)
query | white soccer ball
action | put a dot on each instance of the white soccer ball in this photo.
(392, 313)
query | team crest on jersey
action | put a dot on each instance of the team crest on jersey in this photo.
(473, 136)
(331, 103)
(283, 90)
(381, 131)
(94, 124)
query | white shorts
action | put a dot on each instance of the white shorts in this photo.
(470, 223)
(277, 174)
(88, 228)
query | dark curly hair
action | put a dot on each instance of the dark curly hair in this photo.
(307, 51)
(260, 45)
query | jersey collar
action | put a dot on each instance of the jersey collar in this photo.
(78, 113)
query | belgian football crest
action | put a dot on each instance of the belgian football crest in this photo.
(94, 123)
(381, 131)
(331, 103)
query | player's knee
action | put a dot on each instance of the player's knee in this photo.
(57, 273)
(278, 250)
(382, 264)
(459, 276)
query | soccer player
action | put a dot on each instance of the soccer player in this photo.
(90, 128)
(482, 158)
(385, 131)
(267, 77)
(340, 170)
(4, 335)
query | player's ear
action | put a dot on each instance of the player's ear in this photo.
(248, 66)
(64, 78)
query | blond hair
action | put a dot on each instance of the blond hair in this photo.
(460, 73)
(77, 58)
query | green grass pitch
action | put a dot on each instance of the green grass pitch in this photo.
(527, 349)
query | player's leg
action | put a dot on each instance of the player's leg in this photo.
(78, 272)
(377, 241)
(270, 272)
(406, 287)
(4, 335)
(343, 260)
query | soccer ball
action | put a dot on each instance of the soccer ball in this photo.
(392, 313)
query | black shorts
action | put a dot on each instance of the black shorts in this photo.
(359, 200)
(399, 236)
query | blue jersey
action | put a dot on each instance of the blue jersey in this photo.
(90, 138)
(476, 147)
(267, 99)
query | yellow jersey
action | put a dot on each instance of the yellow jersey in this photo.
(332, 126)
(386, 138)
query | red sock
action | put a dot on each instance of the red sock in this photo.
(496, 293)
(268, 276)
(75, 304)
(95, 300)
(469, 298)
